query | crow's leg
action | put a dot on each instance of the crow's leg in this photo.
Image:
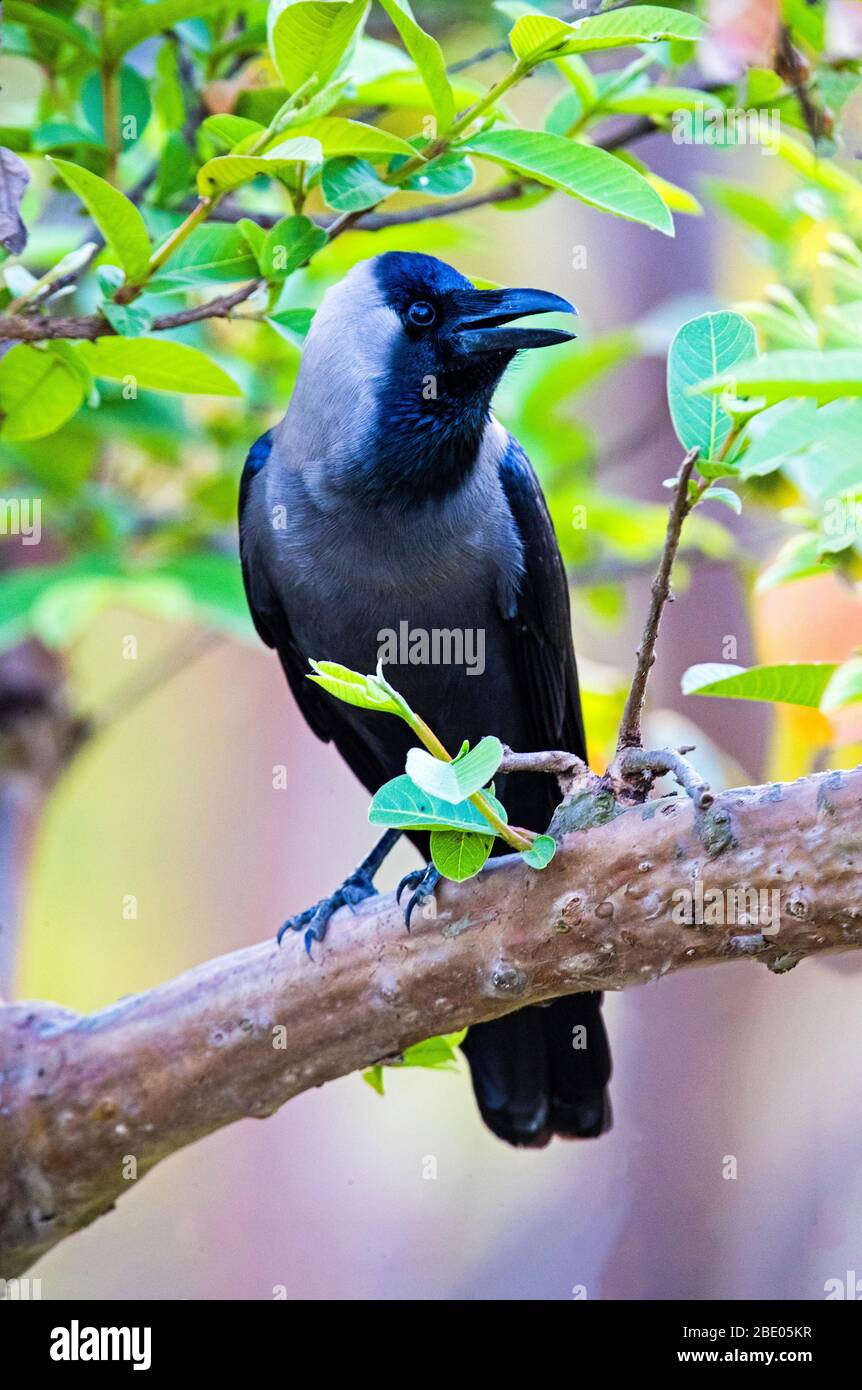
(423, 882)
(360, 885)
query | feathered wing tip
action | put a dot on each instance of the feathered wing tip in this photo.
(543, 1071)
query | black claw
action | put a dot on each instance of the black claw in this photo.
(316, 919)
(411, 880)
(424, 881)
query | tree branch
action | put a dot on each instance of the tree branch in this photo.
(630, 724)
(85, 1101)
(25, 328)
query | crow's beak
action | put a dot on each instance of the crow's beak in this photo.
(482, 314)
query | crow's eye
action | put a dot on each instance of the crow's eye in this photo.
(421, 313)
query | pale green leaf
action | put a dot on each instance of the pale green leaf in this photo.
(147, 20)
(38, 393)
(228, 130)
(428, 57)
(704, 346)
(658, 101)
(585, 172)
(457, 780)
(157, 364)
(309, 38)
(795, 683)
(114, 214)
(845, 687)
(229, 171)
(726, 496)
(822, 374)
(336, 135)
(536, 36)
(352, 688)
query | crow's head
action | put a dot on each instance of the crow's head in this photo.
(409, 353)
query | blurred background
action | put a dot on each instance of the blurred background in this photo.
(141, 831)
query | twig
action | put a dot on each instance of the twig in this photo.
(27, 328)
(568, 768)
(790, 66)
(635, 762)
(630, 725)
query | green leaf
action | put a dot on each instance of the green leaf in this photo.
(127, 320)
(115, 215)
(336, 136)
(541, 852)
(157, 364)
(459, 854)
(289, 244)
(350, 184)
(297, 321)
(587, 173)
(407, 90)
(227, 130)
(215, 251)
(50, 26)
(402, 805)
(457, 780)
(796, 683)
(726, 496)
(428, 57)
(151, 19)
(229, 171)
(436, 1053)
(845, 687)
(702, 347)
(354, 689)
(38, 393)
(134, 106)
(824, 375)
(373, 1077)
(777, 435)
(798, 558)
(537, 36)
(309, 38)
(443, 178)
(656, 101)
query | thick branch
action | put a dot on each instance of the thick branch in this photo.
(241, 1035)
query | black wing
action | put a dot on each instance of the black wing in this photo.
(541, 625)
(272, 622)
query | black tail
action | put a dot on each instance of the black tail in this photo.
(543, 1071)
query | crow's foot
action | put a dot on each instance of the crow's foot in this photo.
(355, 889)
(315, 920)
(423, 882)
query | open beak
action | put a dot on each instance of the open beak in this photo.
(485, 316)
